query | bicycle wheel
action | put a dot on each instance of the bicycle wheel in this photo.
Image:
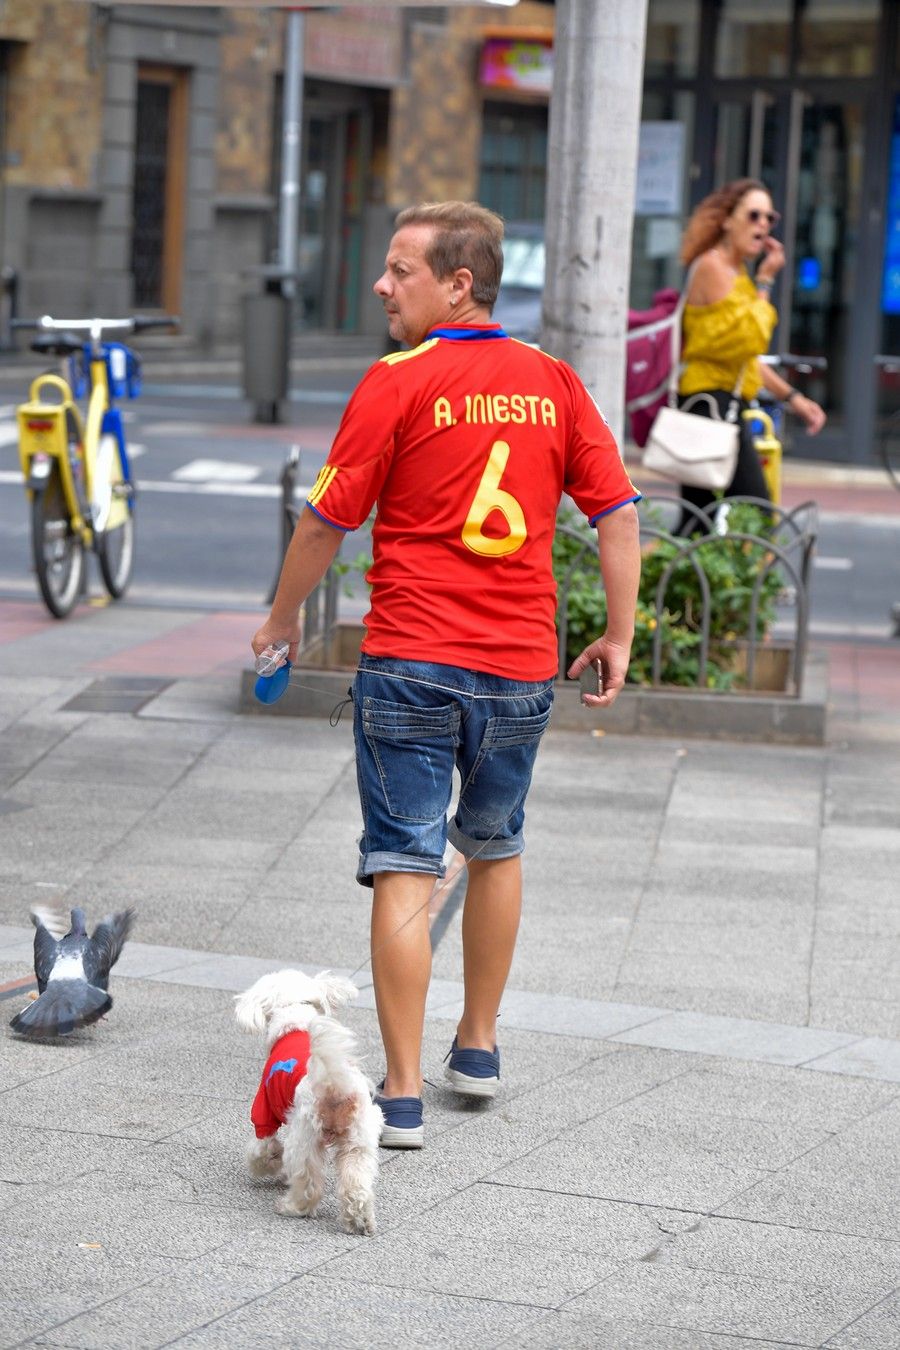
(58, 552)
(112, 516)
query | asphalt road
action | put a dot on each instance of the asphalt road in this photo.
(209, 509)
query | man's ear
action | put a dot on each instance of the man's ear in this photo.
(462, 284)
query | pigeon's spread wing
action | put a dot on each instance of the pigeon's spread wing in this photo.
(46, 950)
(54, 918)
(105, 946)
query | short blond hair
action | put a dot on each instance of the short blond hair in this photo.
(466, 234)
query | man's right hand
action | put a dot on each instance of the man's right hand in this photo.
(271, 633)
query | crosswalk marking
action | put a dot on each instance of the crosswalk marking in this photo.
(215, 470)
(831, 564)
(13, 477)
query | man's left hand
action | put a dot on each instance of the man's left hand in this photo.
(610, 660)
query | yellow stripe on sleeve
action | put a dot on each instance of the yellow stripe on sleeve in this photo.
(324, 479)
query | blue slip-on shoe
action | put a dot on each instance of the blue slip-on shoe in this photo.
(473, 1073)
(402, 1126)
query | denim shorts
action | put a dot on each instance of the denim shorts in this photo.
(413, 723)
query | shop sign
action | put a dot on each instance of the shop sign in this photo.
(360, 45)
(890, 285)
(517, 63)
(660, 169)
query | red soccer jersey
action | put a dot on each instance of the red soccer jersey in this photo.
(467, 443)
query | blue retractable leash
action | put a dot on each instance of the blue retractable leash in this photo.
(273, 673)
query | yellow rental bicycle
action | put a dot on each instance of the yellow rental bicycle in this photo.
(76, 468)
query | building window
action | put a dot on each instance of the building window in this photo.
(753, 38)
(149, 195)
(837, 38)
(673, 39)
(158, 191)
(513, 172)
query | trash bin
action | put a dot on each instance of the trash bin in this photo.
(266, 334)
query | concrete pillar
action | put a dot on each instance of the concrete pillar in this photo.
(592, 164)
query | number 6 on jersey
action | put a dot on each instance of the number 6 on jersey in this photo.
(492, 497)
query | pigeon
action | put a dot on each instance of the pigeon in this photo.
(72, 972)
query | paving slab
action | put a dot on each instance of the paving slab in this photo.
(782, 1310)
(164, 1308)
(583, 1331)
(338, 1313)
(495, 1243)
(873, 1057)
(748, 1039)
(845, 1186)
(876, 1329)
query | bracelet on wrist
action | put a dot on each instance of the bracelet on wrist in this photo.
(790, 396)
(762, 284)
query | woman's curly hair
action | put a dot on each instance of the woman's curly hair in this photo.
(704, 229)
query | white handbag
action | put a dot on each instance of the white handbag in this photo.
(687, 447)
(693, 450)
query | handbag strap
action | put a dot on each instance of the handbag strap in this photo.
(675, 365)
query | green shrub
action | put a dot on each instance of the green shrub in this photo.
(732, 567)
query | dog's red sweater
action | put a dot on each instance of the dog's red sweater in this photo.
(284, 1069)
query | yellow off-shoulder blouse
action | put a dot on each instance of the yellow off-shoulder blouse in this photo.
(721, 337)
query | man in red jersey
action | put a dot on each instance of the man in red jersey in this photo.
(464, 444)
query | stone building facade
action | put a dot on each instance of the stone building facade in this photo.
(140, 151)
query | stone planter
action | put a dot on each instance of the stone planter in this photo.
(771, 667)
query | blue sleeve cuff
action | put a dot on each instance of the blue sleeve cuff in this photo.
(344, 529)
(609, 510)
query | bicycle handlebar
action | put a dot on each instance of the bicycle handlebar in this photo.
(97, 327)
(804, 364)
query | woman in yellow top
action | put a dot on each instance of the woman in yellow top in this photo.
(729, 318)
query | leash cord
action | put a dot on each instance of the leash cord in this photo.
(441, 883)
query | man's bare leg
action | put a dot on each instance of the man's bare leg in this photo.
(401, 967)
(489, 928)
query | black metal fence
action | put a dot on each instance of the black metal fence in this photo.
(785, 548)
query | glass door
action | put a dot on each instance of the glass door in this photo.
(822, 225)
(808, 148)
(319, 215)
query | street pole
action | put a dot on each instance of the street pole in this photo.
(592, 171)
(291, 145)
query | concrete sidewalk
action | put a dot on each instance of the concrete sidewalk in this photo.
(696, 1136)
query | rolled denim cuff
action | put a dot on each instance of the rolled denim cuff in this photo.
(507, 847)
(370, 863)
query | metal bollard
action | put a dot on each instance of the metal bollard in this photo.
(9, 307)
(287, 510)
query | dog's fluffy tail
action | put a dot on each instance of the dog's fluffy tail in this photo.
(332, 1051)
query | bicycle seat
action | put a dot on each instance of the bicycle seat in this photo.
(57, 344)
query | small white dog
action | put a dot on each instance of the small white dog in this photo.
(313, 1086)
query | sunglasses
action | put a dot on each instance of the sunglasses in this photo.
(770, 217)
